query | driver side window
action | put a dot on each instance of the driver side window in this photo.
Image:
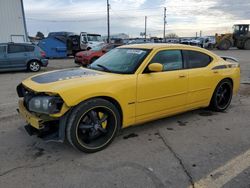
(170, 59)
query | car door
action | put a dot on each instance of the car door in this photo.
(17, 55)
(83, 41)
(30, 52)
(3, 57)
(200, 77)
(161, 93)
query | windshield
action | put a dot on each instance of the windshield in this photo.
(120, 60)
(236, 28)
(94, 38)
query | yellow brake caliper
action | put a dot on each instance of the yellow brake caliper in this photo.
(104, 124)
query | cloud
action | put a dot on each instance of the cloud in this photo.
(239, 9)
(184, 17)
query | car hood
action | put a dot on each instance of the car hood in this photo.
(59, 81)
(85, 53)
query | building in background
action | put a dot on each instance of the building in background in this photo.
(12, 20)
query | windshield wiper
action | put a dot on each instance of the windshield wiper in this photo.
(104, 68)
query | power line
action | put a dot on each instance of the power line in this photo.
(94, 19)
(138, 9)
(80, 20)
(118, 18)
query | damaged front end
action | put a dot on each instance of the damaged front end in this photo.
(45, 113)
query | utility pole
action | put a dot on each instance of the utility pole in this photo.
(164, 30)
(145, 28)
(108, 24)
(200, 33)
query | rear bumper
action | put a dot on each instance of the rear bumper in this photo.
(44, 62)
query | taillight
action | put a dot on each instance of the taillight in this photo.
(43, 54)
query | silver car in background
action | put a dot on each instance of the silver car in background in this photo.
(21, 56)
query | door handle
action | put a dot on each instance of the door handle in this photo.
(182, 76)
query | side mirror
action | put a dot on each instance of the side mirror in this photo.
(155, 67)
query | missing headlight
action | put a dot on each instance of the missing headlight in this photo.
(45, 104)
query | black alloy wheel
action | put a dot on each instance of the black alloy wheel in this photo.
(222, 96)
(93, 125)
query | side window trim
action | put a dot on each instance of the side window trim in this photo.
(8, 48)
(184, 61)
(185, 58)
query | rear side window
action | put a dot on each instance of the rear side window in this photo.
(13, 48)
(196, 59)
(29, 48)
(2, 49)
(170, 59)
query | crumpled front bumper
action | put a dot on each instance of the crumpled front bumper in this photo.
(48, 129)
(31, 119)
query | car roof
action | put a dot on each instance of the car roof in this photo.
(158, 45)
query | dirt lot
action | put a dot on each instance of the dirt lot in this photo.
(194, 149)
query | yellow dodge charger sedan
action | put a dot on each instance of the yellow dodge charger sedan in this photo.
(129, 85)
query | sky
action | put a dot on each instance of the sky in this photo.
(184, 17)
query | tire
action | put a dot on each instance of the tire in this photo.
(93, 60)
(239, 45)
(34, 66)
(89, 132)
(247, 44)
(222, 97)
(224, 44)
